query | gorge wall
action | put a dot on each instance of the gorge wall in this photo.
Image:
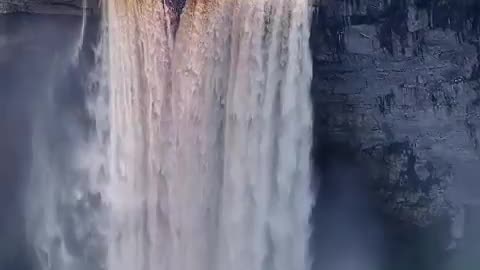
(396, 95)
(51, 7)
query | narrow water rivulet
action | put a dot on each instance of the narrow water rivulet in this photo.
(199, 156)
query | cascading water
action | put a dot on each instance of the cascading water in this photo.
(81, 36)
(201, 157)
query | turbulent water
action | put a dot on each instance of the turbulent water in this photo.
(200, 159)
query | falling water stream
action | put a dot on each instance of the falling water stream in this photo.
(81, 36)
(200, 159)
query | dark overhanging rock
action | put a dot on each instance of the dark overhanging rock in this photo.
(404, 72)
(397, 83)
(51, 7)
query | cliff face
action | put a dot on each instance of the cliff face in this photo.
(63, 7)
(396, 82)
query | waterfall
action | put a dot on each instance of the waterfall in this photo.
(202, 137)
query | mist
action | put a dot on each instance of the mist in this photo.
(42, 98)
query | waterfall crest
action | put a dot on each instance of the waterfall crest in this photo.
(203, 134)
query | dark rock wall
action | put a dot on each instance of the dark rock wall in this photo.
(396, 95)
(59, 7)
(398, 82)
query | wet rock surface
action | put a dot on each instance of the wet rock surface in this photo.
(59, 7)
(397, 84)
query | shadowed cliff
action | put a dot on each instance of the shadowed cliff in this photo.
(396, 87)
(51, 7)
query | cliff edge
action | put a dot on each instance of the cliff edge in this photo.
(52, 7)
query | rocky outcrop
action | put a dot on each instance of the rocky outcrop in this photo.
(59, 7)
(396, 81)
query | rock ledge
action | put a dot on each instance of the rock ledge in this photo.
(50, 7)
